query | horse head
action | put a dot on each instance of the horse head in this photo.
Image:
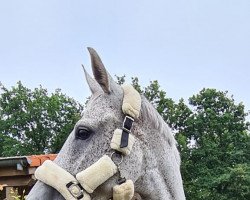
(152, 163)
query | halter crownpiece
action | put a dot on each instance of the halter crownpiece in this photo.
(89, 179)
(131, 101)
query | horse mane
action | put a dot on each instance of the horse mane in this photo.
(150, 114)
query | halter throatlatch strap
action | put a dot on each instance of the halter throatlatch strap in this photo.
(58, 178)
(97, 173)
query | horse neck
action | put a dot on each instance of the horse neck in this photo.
(155, 127)
(158, 137)
(161, 162)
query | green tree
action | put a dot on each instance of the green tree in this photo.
(213, 139)
(217, 158)
(34, 122)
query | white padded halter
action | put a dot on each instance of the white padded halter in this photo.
(131, 101)
(90, 178)
(56, 177)
(131, 106)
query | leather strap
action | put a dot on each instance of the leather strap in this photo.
(126, 130)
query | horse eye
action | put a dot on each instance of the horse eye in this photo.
(82, 133)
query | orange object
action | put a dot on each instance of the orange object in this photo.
(37, 160)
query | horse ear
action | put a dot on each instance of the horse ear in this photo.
(93, 85)
(99, 71)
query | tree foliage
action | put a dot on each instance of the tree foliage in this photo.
(219, 155)
(34, 122)
(211, 130)
(213, 139)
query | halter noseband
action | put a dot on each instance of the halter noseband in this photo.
(88, 180)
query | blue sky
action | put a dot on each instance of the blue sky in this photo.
(185, 44)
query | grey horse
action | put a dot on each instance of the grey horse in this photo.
(154, 163)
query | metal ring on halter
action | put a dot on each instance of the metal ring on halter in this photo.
(119, 155)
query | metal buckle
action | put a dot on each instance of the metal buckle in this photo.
(75, 190)
(124, 121)
(117, 154)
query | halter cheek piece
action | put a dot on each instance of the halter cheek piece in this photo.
(123, 140)
(88, 180)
